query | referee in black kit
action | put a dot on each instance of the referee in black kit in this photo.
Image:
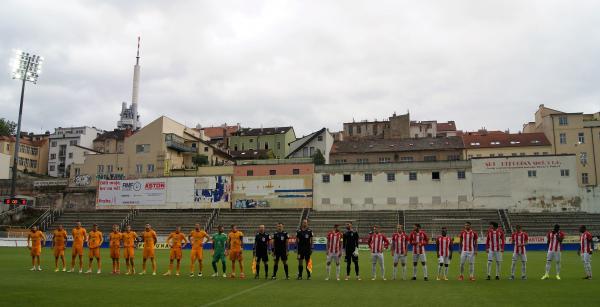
(261, 251)
(304, 245)
(350, 244)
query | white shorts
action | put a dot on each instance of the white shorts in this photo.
(521, 257)
(376, 257)
(553, 256)
(494, 256)
(467, 256)
(333, 257)
(586, 258)
(419, 257)
(399, 258)
(444, 260)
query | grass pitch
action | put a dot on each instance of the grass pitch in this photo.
(21, 287)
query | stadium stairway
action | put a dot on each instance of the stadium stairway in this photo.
(165, 221)
(247, 220)
(433, 220)
(538, 224)
(104, 219)
(321, 222)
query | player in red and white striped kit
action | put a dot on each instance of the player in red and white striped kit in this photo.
(377, 243)
(554, 238)
(334, 251)
(468, 251)
(399, 250)
(585, 251)
(419, 239)
(494, 245)
(519, 241)
(444, 253)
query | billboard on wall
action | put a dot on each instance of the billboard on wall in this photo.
(132, 192)
(285, 192)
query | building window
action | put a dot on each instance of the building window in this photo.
(142, 148)
(249, 172)
(461, 175)
(320, 138)
(77, 171)
(564, 173)
(585, 178)
(305, 152)
(296, 171)
(109, 168)
(406, 159)
(325, 178)
(435, 175)
(251, 141)
(412, 176)
(350, 130)
(73, 142)
(347, 201)
(138, 168)
(325, 201)
(384, 160)
(278, 145)
(272, 172)
(347, 178)
(340, 161)
(391, 177)
(391, 200)
(562, 138)
(368, 177)
(531, 173)
(453, 157)
(583, 158)
(52, 168)
(536, 153)
(368, 200)
(436, 200)
(462, 198)
(581, 138)
(429, 158)
(205, 149)
(100, 169)
(312, 151)
(53, 144)
(362, 161)
(52, 156)
(358, 129)
(150, 168)
(413, 200)
(70, 155)
(563, 120)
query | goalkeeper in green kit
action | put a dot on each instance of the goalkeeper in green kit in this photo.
(219, 241)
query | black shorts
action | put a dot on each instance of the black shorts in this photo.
(350, 257)
(262, 256)
(304, 254)
(281, 255)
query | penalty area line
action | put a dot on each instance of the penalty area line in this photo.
(238, 294)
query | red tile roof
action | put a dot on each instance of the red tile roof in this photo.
(217, 132)
(497, 139)
(449, 126)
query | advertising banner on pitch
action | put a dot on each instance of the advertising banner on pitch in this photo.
(132, 192)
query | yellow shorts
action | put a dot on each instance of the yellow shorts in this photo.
(36, 251)
(235, 255)
(59, 250)
(115, 252)
(148, 252)
(175, 254)
(77, 250)
(94, 252)
(129, 252)
(197, 254)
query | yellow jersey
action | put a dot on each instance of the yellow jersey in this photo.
(235, 240)
(78, 236)
(149, 238)
(129, 238)
(94, 239)
(60, 237)
(115, 239)
(198, 238)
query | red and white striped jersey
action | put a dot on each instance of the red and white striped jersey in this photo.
(444, 245)
(469, 241)
(334, 242)
(418, 240)
(519, 240)
(377, 242)
(554, 245)
(399, 243)
(585, 241)
(495, 241)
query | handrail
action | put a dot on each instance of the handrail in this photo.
(42, 216)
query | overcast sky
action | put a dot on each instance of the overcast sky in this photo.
(309, 64)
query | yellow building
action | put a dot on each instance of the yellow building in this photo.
(572, 133)
(33, 152)
(153, 151)
(500, 144)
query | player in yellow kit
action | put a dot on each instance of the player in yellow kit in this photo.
(196, 238)
(176, 241)
(115, 249)
(149, 237)
(95, 240)
(234, 244)
(129, 242)
(34, 243)
(79, 237)
(59, 241)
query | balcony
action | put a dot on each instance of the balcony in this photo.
(175, 142)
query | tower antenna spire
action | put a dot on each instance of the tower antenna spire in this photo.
(137, 58)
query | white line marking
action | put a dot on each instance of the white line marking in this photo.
(238, 294)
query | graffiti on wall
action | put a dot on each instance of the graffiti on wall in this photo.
(82, 180)
(250, 203)
(211, 189)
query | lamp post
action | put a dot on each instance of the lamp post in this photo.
(25, 67)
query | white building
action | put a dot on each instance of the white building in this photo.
(4, 166)
(308, 145)
(63, 151)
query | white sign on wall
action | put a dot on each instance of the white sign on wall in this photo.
(132, 192)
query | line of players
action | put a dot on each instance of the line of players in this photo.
(339, 245)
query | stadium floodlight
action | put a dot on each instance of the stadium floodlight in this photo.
(25, 67)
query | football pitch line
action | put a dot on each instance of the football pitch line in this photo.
(238, 294)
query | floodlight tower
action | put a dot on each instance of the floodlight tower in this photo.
(25, 67)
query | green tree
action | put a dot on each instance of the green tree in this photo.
(7, 127)
(200, 160)
(318, 158)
